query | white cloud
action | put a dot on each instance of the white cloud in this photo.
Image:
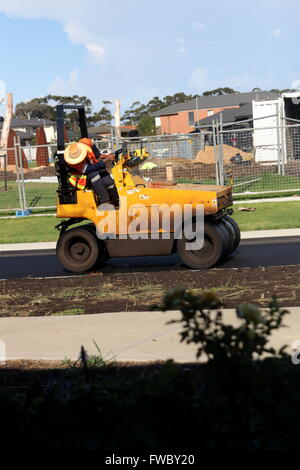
(62, 87)
(200, 81)
(96, 51)
(80, 27)
(276, 31)
(199, 25)
(181, 43)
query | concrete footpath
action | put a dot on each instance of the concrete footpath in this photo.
(126, 336)
(289, 232)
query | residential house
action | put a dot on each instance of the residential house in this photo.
(26, 129)
(184, 117)
(105, 132)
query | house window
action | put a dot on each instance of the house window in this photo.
(210, 112)
(191, 118)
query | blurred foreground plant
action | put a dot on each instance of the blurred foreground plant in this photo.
(202, 320)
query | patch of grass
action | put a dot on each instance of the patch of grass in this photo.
(71, 293)
(71, 311)
(29, 230)
(144, 292)
(268, 216)
(90, 360)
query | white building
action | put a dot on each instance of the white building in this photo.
(276, 124)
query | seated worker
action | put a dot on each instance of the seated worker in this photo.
(82, 160)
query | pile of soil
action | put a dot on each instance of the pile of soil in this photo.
(12, 168)
(207, 155)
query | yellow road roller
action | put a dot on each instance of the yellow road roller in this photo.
(143, 218)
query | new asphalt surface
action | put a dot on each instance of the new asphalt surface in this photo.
(270, 251)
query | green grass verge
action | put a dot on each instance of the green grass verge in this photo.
(39, 194)
(28, 230)
(267, 216)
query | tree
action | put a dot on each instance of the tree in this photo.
(146, 125)
(286, 90)
(44, 108)
(138, 111)
(34, 108)
(177, 98)
(220, 91)
(103, 116)
(135, 113)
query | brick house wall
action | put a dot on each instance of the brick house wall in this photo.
(179, 123)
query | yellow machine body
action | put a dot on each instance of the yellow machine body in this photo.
(135, 193)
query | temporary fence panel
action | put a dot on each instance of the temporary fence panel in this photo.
(252, 175)
(20, 175)
(265, 115)
(176, 158)
(255, 159)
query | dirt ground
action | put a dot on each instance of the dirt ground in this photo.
(135, 291)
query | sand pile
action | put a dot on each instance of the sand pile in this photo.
(207, 155)
(12, 168)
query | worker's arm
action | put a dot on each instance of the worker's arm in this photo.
(90, 167)
(106, 157)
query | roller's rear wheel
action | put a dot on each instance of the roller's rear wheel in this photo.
(228, 241)
(215, 243)
(78, 250)
(234, 229)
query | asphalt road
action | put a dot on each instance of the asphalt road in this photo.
(251, 253)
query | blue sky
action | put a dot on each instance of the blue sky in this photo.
(136, 49)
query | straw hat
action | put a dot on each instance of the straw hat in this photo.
(75, 153)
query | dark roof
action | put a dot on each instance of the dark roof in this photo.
(245, 111)
(219, 101)
(98, 130)
(29, 122)
(229, 115)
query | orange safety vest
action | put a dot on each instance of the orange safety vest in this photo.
(78, 181)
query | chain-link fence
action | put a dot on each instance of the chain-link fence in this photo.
(24, 182)
(255, 159)
(261, 160)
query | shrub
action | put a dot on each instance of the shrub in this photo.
(202, 320)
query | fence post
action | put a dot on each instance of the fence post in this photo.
(5, 172)
(169, 172)
(215, 152)
(22, 173)
(17, 174)
(278, 141)
(283, 144)
(221, 151)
